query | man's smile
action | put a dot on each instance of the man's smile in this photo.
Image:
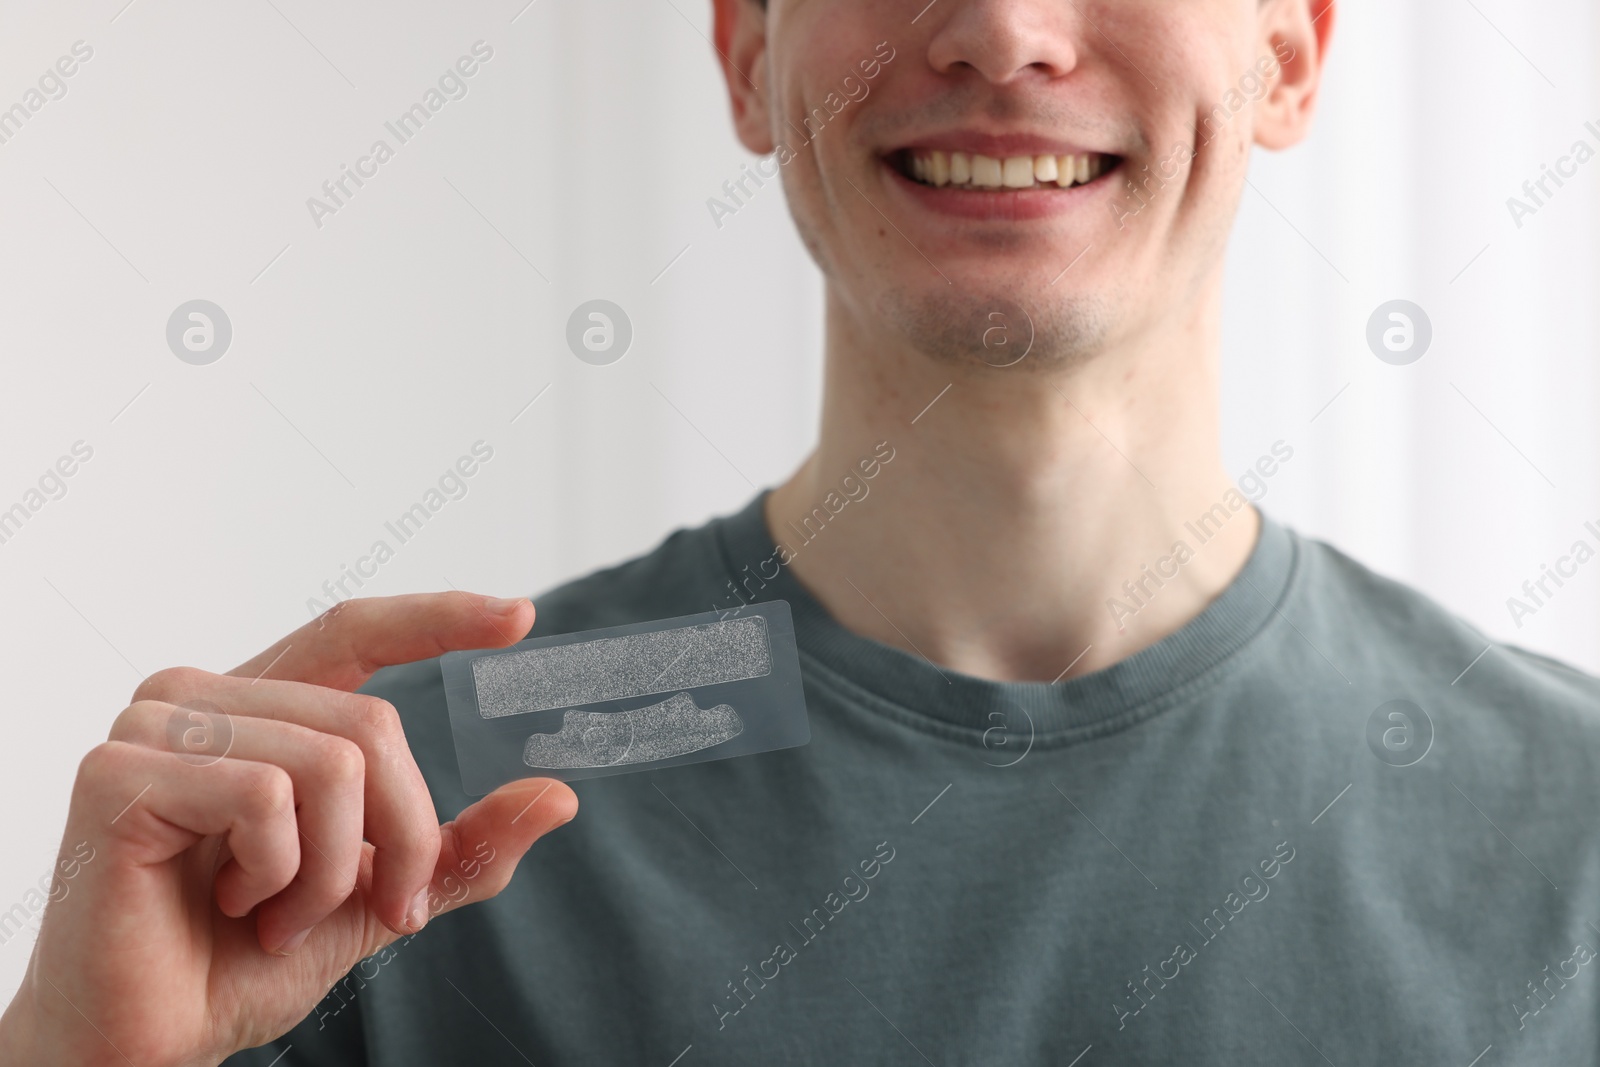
(940, 169)
(1017, 179)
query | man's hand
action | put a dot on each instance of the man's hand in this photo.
(254, 835)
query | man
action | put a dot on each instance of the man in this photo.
(1105, 767)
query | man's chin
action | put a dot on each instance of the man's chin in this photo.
(1011, 330)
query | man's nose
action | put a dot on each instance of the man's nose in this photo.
(1005, 40)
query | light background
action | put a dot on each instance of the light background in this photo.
(370, 353)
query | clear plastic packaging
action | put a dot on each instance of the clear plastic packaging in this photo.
(627, 698)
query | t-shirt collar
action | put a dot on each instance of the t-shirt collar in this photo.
(1085, 705)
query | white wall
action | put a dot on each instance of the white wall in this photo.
(375, 350)
(1465, 472)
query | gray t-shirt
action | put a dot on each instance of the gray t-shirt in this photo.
(1231, 847)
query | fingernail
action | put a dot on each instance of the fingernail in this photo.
(504, 605)
(293, 942)
(417, 917)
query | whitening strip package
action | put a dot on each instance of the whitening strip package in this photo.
(627, 698)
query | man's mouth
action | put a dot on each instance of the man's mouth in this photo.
(970, 170)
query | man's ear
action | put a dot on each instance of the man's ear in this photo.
(1296, 34)
(740, 35)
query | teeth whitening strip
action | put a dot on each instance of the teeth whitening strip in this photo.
(613, 667)
(674, 727)
(588, 704)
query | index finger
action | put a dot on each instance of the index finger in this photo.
(346, 645)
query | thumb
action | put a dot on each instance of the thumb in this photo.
(480, 849)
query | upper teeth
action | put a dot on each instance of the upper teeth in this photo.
(1013, 172)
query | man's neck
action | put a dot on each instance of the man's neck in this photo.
(1025, 528)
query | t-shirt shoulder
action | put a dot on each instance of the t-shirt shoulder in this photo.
(1380, 628)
